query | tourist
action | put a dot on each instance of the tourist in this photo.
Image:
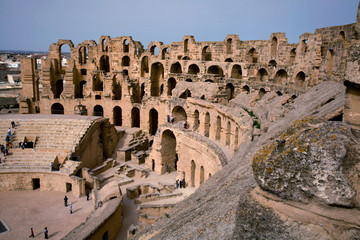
(87, 195)
(185, 125)
(65, 201)
(12, 124)
(181, 183)
(70, 206)
(52, 166)
(172, 119)
(46, 233)
(177, 183)
(9, 132)
(32, 233)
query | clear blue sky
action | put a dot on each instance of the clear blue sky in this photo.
(35, 24)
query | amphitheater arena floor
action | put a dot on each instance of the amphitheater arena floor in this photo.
(21, 210)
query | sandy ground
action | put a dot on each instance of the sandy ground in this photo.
(21, 210)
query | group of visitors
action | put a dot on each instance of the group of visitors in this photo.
(180, 183)
(46, 233)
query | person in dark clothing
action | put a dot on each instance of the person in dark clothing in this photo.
(32, 233)
(65, 201)
(12, 124)
(87, 195)
(46, 233)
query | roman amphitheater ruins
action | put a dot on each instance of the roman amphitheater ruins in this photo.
(225, 117)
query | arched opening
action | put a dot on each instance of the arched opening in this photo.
(79, 90)
(262, 75)
(342, 35)
(179, 114)
(252, 56)
(188, 80)
(207, 125)
(104, 45)
(168, 151)
(64, 55)
(236, 141)
(229, 91)
(218, 128)
(228, 60)
(281, 76)
(193, 69)
(153, 121)
(279, 93)
(125, 61)
(144, 66)
(292, 55)
(97, 83)
(154, 50)
(116, 89)
(274, 43)
(229, 46)
(206, 54)
(228, 134)
(83, 54)
(185, 94)
(330, 62)
(202, 97)
(171, 85)
(209, 80)
(186, 45)
(303, 46)
(262, 92)
(216, 70)
(142, 91)
(300, 79)
(59, 88)
(153, 165)
(157, 76)
(57, 108)
(193, 169)
(196, 120)
(117, 116)
(135, 117)
(98, 111)
(236, 72)
(272, 64)
(126, 46)
(246, 89)
(186, 58)
(175, 68)
(202, 172)
(105, 63)
(163, 53)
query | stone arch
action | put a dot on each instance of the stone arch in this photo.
(202, 173)
(214, 69)
(262, 75)
(207, 125)
(144, 66)
(153, 121)
(330, 62)
(228, 60)
(230, 91)
(193, 169)
(209, 80)
(97, 83)
(135, 117)
(194, 69)
(175, 68)
(186, 58)
(342, 35)
(185, 94)
(171, 85)
(229, 46)
(105, 44)
(79, 89)
(206, 54)
(274, 46)
(59, 88)
(179, 114)
(196, 120)
(154, 50)
(236, 72)
(117, 116)
(83, 54)
(303, 46)
(116, 89)
(218, 128)
(57, 108)
(98, 111)
(300, 79)
(168, 151)
(125, 61)
(292, 55)
(262, 92)
(126, 46)
(281, 76)
(157, 76)
(104, 63)
(272, 64)
(186, 45)
(64, 56)
(252, 56)
(228, 133)
(246, 89)
(164, 51)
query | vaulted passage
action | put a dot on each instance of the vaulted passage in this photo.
(236, 72)
(117, 116)
(59, 88)
(175, 68)
(97, 84)
(168, 151)
(281, 76)
(153, 121)
(196, 120)
(216, 70)
(179, 114)
(98, 111)
(230, 91)
(207, 125)
(157, 76)
(105, 63)
(218, 128)
(193, 69)
(193, 169)
(57, 108)
(135, 117)
(171, 86)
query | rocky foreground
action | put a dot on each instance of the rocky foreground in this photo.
(297, 179)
